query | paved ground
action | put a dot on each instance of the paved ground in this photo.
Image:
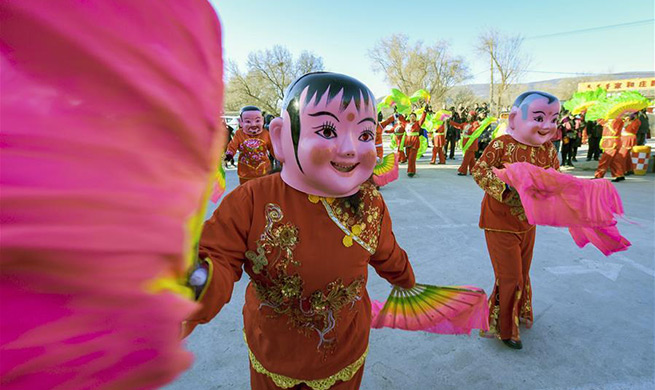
(594, 323)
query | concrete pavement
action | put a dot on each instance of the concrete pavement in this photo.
(594, 315)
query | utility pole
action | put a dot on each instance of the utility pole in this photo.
(491, 84)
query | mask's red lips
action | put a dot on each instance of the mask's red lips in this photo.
(344, 167)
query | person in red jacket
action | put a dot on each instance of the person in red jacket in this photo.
(628, 140)
(610, 143)
(398, 132)
(412, 141)
(379, 146)
(468, 128)
(439, 142)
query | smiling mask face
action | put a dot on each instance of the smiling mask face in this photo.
(335, 151)
(533, 118)
(252, 122)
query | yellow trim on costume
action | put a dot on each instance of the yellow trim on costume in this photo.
(508, 231)
(169, 283)
(345, 374)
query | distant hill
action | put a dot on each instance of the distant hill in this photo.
(482, 90)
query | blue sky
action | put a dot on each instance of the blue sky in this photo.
(342, 32)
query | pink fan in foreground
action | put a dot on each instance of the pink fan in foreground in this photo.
(108, 143)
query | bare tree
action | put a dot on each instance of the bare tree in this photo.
(411, 67)
(268, 74)
(507, 60)
(461, 95)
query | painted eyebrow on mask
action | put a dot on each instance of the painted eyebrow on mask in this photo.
(366, 119)
(325, 113)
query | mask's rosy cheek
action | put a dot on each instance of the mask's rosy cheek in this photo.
(369, 158)
(321, 156)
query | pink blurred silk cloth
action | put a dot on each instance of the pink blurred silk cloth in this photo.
(587, 207)
(110, 136)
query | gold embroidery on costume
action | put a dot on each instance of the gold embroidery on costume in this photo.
(494, 314)
(282, 290)
(285, 382)
(360, 226)
(492, 185)
(279, 242)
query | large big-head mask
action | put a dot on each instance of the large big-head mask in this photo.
(251, 120)
(533, 118)
(325, 136)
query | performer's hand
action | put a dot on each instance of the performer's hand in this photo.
(198, 277)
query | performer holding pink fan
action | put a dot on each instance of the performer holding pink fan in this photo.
(518, 172)
(306, 237)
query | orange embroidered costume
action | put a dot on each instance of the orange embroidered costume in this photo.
(611, 145)
(628, 141)
(469, 156)
(379, 146)
(254, 153)
(439, 141)
(306, 237)
(510, 238)
(398, 131)
(307, 313)
(412, 141)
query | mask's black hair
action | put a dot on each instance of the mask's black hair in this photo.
(317, 84)
(248, 108)
(521, 98)
(525, 95)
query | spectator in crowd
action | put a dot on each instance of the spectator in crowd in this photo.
(644, 128)
(578, 125)
(568, 137)
(452, 133)
(230, 135)
(594, 134)
(557, 138)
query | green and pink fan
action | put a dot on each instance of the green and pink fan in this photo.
(582, 101)
(625, 104)
(420, 95)
(442, 115)
(387, 102)
(401, 101)
(615, 107)
(433, 309)
(386, 170)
